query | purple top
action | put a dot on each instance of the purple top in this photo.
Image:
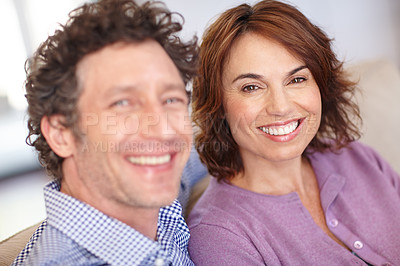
(360, 197)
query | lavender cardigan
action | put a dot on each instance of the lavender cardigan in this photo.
(360, 196)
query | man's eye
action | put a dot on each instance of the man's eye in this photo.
(174, 100)
(297, 80)
(121, 103)
(250, 88)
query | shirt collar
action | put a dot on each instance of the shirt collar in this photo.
(329, 181)
(108, 238)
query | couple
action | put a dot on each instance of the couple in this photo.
(292, 187)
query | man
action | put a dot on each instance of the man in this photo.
(108, 113)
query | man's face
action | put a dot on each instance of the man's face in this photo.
(136, 129)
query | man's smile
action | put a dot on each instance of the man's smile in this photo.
(150, 160)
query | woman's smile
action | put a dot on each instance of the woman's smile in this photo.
(282, 131)
(272, 102)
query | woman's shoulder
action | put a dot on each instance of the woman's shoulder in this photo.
(214, 203)
(225, 206)
(354, 152)
(356, 159)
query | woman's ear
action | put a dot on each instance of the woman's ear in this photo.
(59, 138)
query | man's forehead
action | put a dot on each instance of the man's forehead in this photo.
(121, 67)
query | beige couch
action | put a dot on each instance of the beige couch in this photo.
(10, 248)
(380, 107)
(380, 83)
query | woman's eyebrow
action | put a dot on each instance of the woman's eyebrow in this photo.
(257, 76)
(248, 75)
(297, 69)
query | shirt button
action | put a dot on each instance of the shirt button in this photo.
(333, 223)
(358, 244)
(159, 262)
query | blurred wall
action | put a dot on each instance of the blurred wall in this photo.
(362, 29)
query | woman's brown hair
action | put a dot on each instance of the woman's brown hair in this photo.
(288, 26)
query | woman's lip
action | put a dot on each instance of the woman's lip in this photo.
(283, 123)
(282, 137)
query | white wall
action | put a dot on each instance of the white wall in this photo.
(362, 29)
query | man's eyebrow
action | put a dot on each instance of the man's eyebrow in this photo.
(176, 86)
(120, 89)
(133, 88)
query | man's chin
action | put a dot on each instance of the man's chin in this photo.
(159, 201)
(156, 205)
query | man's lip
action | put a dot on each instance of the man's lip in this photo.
(137, 154)
(138, 148)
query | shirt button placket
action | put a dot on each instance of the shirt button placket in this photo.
(159, 262)
(333, 223)
(358, 244)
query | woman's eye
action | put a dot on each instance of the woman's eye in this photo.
(250, 88)
(297, 80)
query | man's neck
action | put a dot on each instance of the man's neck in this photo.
(143, 220)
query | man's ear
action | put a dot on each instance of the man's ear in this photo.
(59, 138)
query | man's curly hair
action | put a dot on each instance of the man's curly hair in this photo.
(51, 84)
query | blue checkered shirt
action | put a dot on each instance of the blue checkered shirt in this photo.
(78, 234)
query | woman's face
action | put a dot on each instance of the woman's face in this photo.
(271, 100)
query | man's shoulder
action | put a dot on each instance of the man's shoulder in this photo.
(55, 247)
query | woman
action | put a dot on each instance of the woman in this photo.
(291, 185)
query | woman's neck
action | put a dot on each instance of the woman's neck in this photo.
(281, 178)
(276, 178)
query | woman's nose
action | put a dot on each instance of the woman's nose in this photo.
(278, 102)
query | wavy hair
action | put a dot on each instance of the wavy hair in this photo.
(51, 84)
(289, 27)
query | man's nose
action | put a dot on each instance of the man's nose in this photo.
(153, 122)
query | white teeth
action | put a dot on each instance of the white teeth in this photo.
(150, 160)
(280, 131)
(287, 130)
